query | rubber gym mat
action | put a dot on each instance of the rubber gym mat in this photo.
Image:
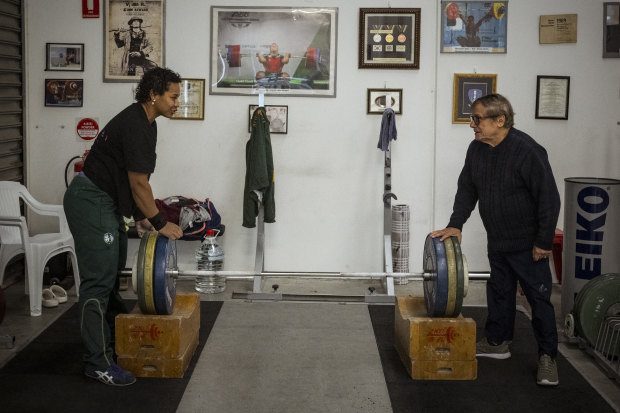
(47, 375)
(502, 385)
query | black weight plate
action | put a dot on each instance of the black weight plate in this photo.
(460, 279)
(159, 276)
(435, 288)
(140, 274)
(594, 303)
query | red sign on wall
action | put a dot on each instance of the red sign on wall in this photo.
(87, 129)
(90, 9)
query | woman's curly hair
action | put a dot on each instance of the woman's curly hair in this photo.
(157, 80)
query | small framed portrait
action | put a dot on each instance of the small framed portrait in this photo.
(191, 100)
(64, 57)
(467, 88)
(611, 31)
(64, 92)
(552, 97)
(377, 100)
(389, 39)
(277, 115)
(473, 26)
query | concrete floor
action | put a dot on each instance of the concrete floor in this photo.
(24, 328)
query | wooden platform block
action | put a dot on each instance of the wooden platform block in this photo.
(434, 348)
(159, 366)
(159, 336)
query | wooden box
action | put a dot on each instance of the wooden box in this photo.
(434, 348)
(169, 336)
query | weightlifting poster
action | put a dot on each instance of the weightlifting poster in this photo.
(289, 51)
(473, 27)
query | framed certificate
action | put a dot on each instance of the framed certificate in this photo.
(191, 100)
(552, 97)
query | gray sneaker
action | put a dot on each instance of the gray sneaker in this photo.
(485, 349)
(547, 371)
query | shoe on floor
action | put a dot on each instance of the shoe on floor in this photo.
(113, 376)
(48, 299)
(486, 349)
(547, 371)
(59, 293)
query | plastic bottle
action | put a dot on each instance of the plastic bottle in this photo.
(210, 257)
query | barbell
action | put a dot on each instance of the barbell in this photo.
(233, 56)
(155, 271)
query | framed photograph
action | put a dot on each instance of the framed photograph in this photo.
(467, 88)
(389, 39)
(611, 33)
(473, 26)
(191, 100)
(133, 39)
(277, 115)
(552, 97)
(64, 92)
(64, 57)
(287, 51)
(377, 100)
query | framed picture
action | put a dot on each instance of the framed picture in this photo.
(611, 33)
(473, 26)
(64, 57)
(389, 39)
(285, 50)
(552, 97)
(128, 26)
(191, 100)
(467, 88)
(277, 115)
(377, 100)
(64, 92)
(557, 28)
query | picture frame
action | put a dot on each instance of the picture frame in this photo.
(277, 115)
(64, 57)
(191, 100)
(146, 20)
(287, 51)
(552, 93)
(376, 101)
(467, 88)
(474, 27)
(64, 92)
(389, 38)
(611, 32)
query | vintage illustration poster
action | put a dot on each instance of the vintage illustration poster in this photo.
(133, 39)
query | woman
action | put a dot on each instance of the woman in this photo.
(114, 184)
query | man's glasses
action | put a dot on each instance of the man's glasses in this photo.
(476, 119)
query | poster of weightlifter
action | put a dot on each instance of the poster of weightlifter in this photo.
(133, 37)
(473, 26)
(287, 51)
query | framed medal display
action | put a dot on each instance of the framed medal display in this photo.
(389, 38)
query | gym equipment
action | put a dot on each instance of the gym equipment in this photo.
(155, 271)
(234, 55)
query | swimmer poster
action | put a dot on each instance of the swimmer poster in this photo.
(389, 39)
(273, 50)
(473, 26)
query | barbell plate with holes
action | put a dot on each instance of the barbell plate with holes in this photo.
(140, 273)
(460, 276)
(593, 303)
(159, 276)
(436, 287)
(465, 275)
(171, 282)
(451, 261)
(149, 258)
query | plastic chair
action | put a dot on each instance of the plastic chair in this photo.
(16, 239)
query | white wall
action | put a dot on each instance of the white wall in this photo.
(329, 173)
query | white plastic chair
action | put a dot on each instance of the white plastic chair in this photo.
(16, 239)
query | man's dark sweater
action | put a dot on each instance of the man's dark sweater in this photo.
(518, 198)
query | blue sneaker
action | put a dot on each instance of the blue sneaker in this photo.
(113, 376)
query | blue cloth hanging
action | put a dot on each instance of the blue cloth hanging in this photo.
(388, 129)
